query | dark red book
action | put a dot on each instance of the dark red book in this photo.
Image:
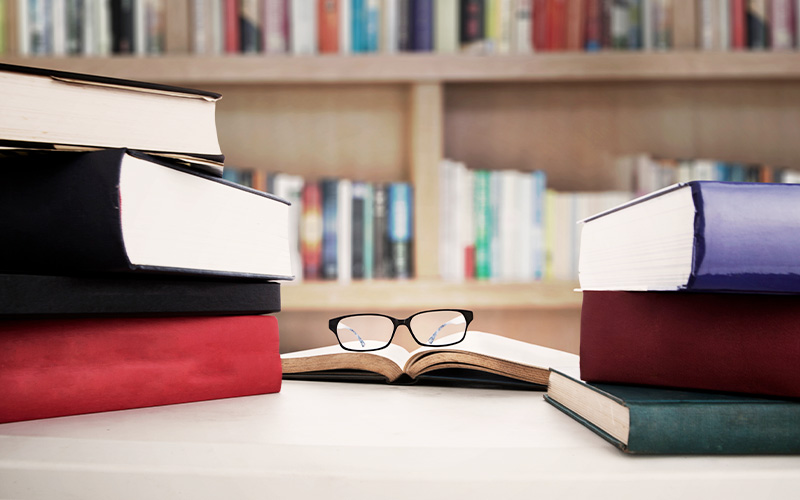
(541, 25)
(593, 25)
(53, 368)
(738, 24)
(731, 342)
(557, 21)
(230, 13)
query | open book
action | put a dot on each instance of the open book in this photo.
(482, 359)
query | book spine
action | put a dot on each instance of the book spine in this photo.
(472, 29)
(483, 224)
(635, 28)
(422, 25)
(358, 232)
(330, 196)
(275, 26)
(74, 19)
(541, 25)
(446, 26)
(389, 26)
(734, 342)
(230, 12)
(538, 231)
(684, 26)
(345, 27)
(369, 232)
(372, 24)
(758, 28)
(303, 27)
(250, 26)
(738, 12)
(311, 231)
(328, 26)
(53, 368)
(557, 25)
(4, 28)
(781, 15)
(594, 25)
(400, 229)
(382, 259)
(344, 230)
(522, 27)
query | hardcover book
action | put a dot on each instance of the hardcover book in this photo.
(107, 112)
(122, 211)
(54, 368)
(697, 236)
(651, 420)
(46, 296)
(481, 359)
(712, 341)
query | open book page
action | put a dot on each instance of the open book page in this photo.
(387, 362)
(494, 354)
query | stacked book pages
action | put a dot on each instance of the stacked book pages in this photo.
(689, 325)
(131, 273)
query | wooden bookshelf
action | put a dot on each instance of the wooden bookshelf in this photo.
(392, 117)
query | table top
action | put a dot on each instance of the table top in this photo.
(338, 440)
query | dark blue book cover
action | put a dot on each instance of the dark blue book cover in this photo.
(330, 197)
(422, 25)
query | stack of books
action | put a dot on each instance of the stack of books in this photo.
(689, 326)
(131, 273)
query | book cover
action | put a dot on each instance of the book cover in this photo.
(303, 27)
(399, 220)
(328, 26)
(659, 421)
(713, 341)
(49, 296)
(54, 368)
(422, 23)
(329, 190)
(311, 231)
(121, 211)
(698, 236)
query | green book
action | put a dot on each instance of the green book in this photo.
(655, 420)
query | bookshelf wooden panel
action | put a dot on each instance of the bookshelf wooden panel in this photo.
(391, 117)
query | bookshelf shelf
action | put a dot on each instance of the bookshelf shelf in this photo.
(423, 294)
(410, 68)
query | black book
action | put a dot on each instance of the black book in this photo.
(472, 21)
(122, 26)
(64, 110)
(39, 296)
(117, 210)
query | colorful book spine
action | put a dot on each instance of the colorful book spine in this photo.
(311, 231)
(275, 26)
(400, 229)
(383, 260)
(593, 25)
(446, 26)
(358, 229)
(54, 368)
(483, 224)
(472, 22)
(250, 26)
(328, 26)
(758, 25)
(422, 23)
(330, 203)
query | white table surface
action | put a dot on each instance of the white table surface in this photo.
(354, 441)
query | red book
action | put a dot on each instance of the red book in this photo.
(574, 25)
(730, 342)
(328, 26)
(593, 25)
(557, 30)
(53, 368)
(738, 24)
(230, 12)
(541, 25)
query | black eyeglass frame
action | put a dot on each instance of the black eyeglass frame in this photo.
(334, 322)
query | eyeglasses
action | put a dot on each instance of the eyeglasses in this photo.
(371, 332)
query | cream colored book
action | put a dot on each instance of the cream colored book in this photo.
(481, 359)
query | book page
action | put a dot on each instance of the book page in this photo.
(387, 362)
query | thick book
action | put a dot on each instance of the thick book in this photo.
(652, 420)
(482, 359)
(697, 236)
(48, 296)
(712, 341)
(48, 109)
(123, 211)
(54, 368)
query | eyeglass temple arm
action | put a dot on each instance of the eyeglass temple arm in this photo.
(460, 320)
(360, 340)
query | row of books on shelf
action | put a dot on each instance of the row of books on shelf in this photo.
(103, 27)
(649, 173)
(343, 229)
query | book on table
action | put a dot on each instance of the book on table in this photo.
(714, 341)
(653, 420)
(52, 109)
(119, 210)
(481, 359)
(61, 367)
(48, 296)
(697, 236)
